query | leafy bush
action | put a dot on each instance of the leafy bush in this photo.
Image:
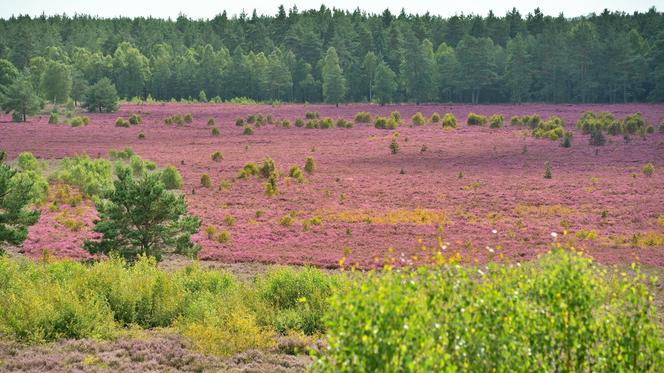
(271, 186)
(17, 117)
(229, 220)
(531, 121)
(188, 118)
(214, 131)
(342, 123)
(247, 131)
(418, 119)
(285, 123)
(94, 177)
(394, 146)
(396, 116)
(648, 169)
(53, 118)
(125, 154)
(210, 122)
(135, 119)
(121, 122)
(249, 169)
(309, 165)
(567, 140)
(217, 156)
(380, 122)
(435, 117)
(634, 123)
(171, 178)
(296, 173)
(597, 137)
(449, 121)
(553, 129)
(299, 122)
(547, 170)
(363, 117)
(224, 236)
(326, 123)
(79, 121)
(476, 119)
(205, 181)
(561, 313)
(312, 115)
(496, 121)
(141, 136)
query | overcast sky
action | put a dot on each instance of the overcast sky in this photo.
(207, 8)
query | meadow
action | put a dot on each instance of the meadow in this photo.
(490, 244)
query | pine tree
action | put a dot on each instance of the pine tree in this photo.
(20, 97)
(334, 82)
(386, 84)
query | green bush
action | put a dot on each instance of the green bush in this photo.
(326, 123)
(309, 165)
(135, 119)
(396, 116)
(249, 169)
(449, 121)
(648, 169)
(561, 313)
(94, 177)
(296, 173)
(121, 122)
(239, 122)
(394, 146)
(634, 123)
(380, 122)
(299, 122)
(476, 119)
(214, 131)
(363, 117)
(188, 118)
(17, 117)
(342, 123)
(597, 137)
(80, 121)
(435, 117)
(217, 156)
(205, 181)
(285, 123)
(247, 131)
(125, 154)
(53, 118)
(496, 121)
(553, 129)
(312, 115)
(418, 119)
(171, 178)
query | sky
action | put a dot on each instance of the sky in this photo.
(208, 9)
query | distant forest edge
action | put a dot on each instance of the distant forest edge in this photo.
(335, 56)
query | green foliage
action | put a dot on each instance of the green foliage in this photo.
(171, 178)
(101, 97)
(20, 98)
(247, 131)
(205, 181)
(363, 117)
(597, 137)
(343, 123)
(79, 121)
(94, 177)
(634, 123)
(296, 300)
(449, 121)
(334, 82)
(435, 117)
(386, 84)
(602, 121)
(135, 119)
(188, 118)
(567, 140)
(496, 121)
(561, 313)
(312, 115)
(121, 122)
(309, 165)
(476, 119)
(211, 122)
(18, 189)
(217, 156)
(56, 81)
(296, 173)
(53, 118)
(547, 170)
(214, 131)
(140, 217)
(299, 122)
(394, 146)
(125, 154)
(271, 188)
(552, 129)
(418, 119)
(249, 169)
(648, 169)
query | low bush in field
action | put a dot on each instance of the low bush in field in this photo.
(343, 123)
(217, 156)
(418, 119)
(449, 121)
(171, 178)
(205, 181)
(312, 115)
(552, 129)
(386, 123)
(476, 119)
(531, 121)
(247, 131)
(561, 313)
(363, 117)
(396, 116)
(496, 121)
(93, 177)
(299, 122)
(121, 122)
(249, 169)
(296, 173)
(634, 123)
(239, 122)
(602, 121)
(135, 119)
(435, 117)
(309, 165)
(79, 121)
(53, 118)
(214, 131)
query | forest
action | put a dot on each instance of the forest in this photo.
(336, 56)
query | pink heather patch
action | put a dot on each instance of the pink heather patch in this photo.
(502, 188)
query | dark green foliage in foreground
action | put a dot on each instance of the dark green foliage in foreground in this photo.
(15, 196)
(140, 217)
(561, 313)
(383, 57)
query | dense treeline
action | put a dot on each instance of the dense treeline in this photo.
(337, 56)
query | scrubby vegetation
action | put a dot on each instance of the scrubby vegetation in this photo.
(418, 119)
(496, 121)
(476, 119)
(363, 117)
(449, 121)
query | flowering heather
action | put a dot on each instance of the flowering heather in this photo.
(603, 191)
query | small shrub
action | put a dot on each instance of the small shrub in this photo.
(547, 170)
(496, 121)
(476, 119)
(553, 129)
(121, 122)
(648, 169)
(217, 156)
(299, 122)
(210, 231)
(449, 121)
(312, 115)
(567, 140)
(394, 146)
(214, 131)
(247, 131)
(363, 117)
(380, 122)
(309, 165)
(342, 123)
(188, 118)
(171, 178)
(285, 123)
(239, 122)
(79, 121)
(597, 137)
(396, 116)
(224, 236)
(205, 181)
(418, 119)
(296, 173)
(326, 123)
(435, 117)
(229, 220)
(135, 119)
(286, 220)
(141, 136)
(249, 169)
(210, 122)
(53, 118)
(633, 123)
(271, 186)
(268, 168)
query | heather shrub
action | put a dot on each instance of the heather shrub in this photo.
(496, 121)
(286, 220)
(135, 119)
(229, 220)
(285, 123)
(247, 131)
(94, 177)
(312, 115)
(392, 124)
(634, 123)
(516, 121)
(214, 131)
(299, 122)
(137, 165)
(648, 169)
(435, 117)
(313, 123)
(296, 173)
(268, 167)
(418, 119)
(295, 299)
(602, 121)
(79, 121)
(121, 122)
(476, 119)
(561, 313)
(188, 118)
(205, 181)
(363, 117)
(210, 231)
(171, 178)
(53, 118)
(309, 165)
(249, 169)
(217, 156)
(449, 121)
(531, 121)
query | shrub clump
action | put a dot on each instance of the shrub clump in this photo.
(648, 169)
(171, 178)
(205, 181)
(53, 118)
(552, 129)
(496, 121)
(239, 122)
(386, 123)
(296, 173)
(449, 121)
(309, 165)
(476, 119)
(363, 117)
(418, 119)
(312, 115)
(249, 169)
(121, 122)
(435, 117)
(79, 121)
(247, 131)
(214, 131)
(217, 156)
(135, 119)
(343, 123)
